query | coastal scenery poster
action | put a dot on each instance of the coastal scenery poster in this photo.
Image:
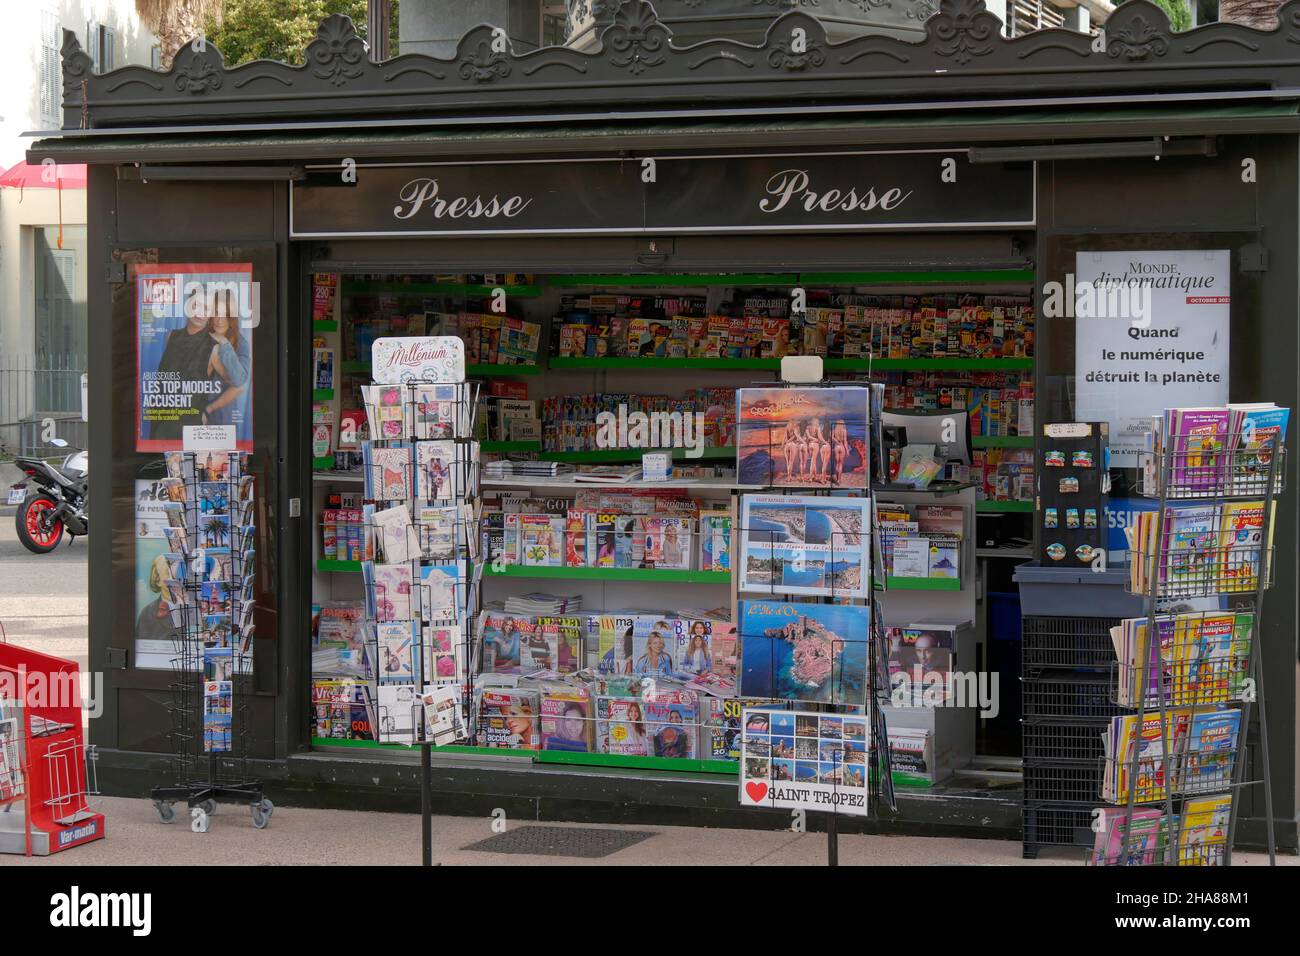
(804, 545)
(796, 760)
(802, 437)
(809, 652)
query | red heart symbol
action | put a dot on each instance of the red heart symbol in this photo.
(756, 790)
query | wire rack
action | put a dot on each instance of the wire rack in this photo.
(212, 574)
(1202, 541)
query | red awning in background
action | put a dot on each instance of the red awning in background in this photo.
(62, 176)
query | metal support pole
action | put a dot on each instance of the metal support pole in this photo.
(832, 840)
(426, 806)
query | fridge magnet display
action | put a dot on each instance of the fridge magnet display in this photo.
(1054, 459)
(802, 437)
(1085, 553)
(1072, 517)
(1081, 459)
(794, 544)
(810, 652)
(1090, 517)
(1049, 518)
(1069, 486)
(831, 776)
(1056, 551)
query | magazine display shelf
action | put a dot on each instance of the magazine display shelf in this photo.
(439, 562)
(1214, 564)
(212, 657)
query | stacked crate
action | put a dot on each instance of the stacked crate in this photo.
(1066, 693)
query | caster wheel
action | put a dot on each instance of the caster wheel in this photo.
(166, 811)
(209, 807)
(199, 821)
(262, 814)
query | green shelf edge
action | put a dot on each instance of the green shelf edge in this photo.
(996, 506)
(790, 278)
(633, 454)
(631, 361)
(498, 371)
(929, 365)
(439, 288)
(680, 764)
(774, 364)
(924, 584)
(506, 446)
(1002, 441)
(502, 371)
(322, 394)
(324, 325)
(323, 464)
(328, 564)
(674, 575)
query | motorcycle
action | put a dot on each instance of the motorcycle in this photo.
(57, 503)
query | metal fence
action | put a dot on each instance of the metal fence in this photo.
(40, 399)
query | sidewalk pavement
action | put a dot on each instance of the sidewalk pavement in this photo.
(355, 838)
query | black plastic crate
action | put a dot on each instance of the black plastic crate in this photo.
(1076, 783)
(1067, 696)
(1064, 743)
(1067, 642)
(1051, 825)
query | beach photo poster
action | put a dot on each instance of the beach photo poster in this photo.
(798, 760)
(194, 350)
(802, 437)
(805, 545)
(809, 652)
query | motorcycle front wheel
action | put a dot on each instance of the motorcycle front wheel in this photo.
(36, 530)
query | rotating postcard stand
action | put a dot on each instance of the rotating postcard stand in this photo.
(212, 562)
(809, 629)
(1172, 693)
(421, 574)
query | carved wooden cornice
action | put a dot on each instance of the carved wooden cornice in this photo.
(637, 65)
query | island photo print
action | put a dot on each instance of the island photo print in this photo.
(807, 652)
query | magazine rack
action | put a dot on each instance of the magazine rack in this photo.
(1213, 563)
(424, 565)
(212, 661)
(47, 771)
(871, 563)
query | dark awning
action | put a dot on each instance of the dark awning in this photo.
(957, 128)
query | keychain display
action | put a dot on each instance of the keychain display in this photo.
(1072, 490)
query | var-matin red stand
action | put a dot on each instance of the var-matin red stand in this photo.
(43, 800)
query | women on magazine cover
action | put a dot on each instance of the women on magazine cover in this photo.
(655, 662)
(230, 362)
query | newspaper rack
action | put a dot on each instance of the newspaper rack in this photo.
(1210, 567)
(47, 771)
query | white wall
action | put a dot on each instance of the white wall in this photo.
(20, 112)
(20, 56)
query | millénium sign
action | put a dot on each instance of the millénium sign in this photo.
(817, 192)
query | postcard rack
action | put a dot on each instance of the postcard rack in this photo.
(1234, 565)
(211, 593)
(421, 576)
(857, 551)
